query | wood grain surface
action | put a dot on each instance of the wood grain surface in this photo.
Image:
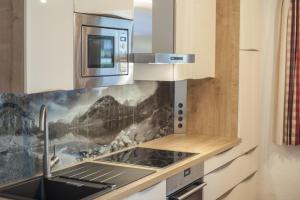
(12, 46)
(206, 146)
(213, 103)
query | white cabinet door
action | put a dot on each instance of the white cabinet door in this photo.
(122, 8)
(196, 33)
(157, 192)
(221, 159)
(229, 175)
(48, 45)
(250, 24)
(249, 98)
(247, 190)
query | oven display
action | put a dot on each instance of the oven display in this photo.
(100, 51)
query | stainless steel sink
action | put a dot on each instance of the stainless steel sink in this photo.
(85, 181)
(57, 189)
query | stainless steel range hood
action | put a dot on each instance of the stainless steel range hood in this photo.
(153, 35)
(162, 58)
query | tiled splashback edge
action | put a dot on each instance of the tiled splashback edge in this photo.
(82, 124)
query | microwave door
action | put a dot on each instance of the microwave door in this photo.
(104, 52)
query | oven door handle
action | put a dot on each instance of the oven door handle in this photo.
(191, 192)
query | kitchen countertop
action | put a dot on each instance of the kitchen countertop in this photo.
(206, 146)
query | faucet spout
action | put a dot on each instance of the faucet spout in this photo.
(48, 162)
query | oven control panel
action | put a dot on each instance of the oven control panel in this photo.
(184, 178)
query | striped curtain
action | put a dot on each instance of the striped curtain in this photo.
(291, 123)
(287, 73)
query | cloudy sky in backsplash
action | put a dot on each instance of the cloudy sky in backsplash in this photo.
(82, 124)
(64, 105)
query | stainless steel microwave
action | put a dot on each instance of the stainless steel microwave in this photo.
(102, 47)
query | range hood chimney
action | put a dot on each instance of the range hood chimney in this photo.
(154, 34)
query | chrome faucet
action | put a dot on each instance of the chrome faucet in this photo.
(48, 163)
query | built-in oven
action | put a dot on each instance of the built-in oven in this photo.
(102, 46)
(187, 185)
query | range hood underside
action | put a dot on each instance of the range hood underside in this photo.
(162, 58)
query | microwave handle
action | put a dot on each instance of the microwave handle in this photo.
(191, 192)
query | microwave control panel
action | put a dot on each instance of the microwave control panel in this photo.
(123, 52)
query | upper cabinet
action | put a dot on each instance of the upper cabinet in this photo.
(177, 26)
(251, 26)
(37, 41)
(195, 32)
(249, 99)
(121, 8)
(36, 45)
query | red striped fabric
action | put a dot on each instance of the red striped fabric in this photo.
(297, 75)
(292, 89)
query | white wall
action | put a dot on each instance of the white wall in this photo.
(280, 166)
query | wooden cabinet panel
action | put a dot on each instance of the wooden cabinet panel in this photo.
(12, 46)
(213, 103)
(195, 32)
(251, 24)
(123, 8)
(229, 175)
(157, 192)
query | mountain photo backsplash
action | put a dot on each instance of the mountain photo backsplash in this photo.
(82, 124)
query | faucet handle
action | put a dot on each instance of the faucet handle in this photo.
(54, 153)
(54, 150)
(54, 159)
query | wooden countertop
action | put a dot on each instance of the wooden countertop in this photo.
(206, 147)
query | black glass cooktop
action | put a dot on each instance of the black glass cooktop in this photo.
(148, 157)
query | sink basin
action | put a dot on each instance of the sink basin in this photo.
(84, 181)
(57, 189)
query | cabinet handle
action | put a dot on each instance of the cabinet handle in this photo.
(255, 50)
(230, 162)
(250, 151)
(226, 194)
(191, 192)
(249, 177)
(222, 167)
(223, 152)
(230, 191)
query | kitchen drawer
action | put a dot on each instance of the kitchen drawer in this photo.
(226, 156)
(231, 174)
(221, 159)
(157, 192)
(246, 190)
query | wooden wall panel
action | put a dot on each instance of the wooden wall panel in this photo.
(213, 103)
(12, 45)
